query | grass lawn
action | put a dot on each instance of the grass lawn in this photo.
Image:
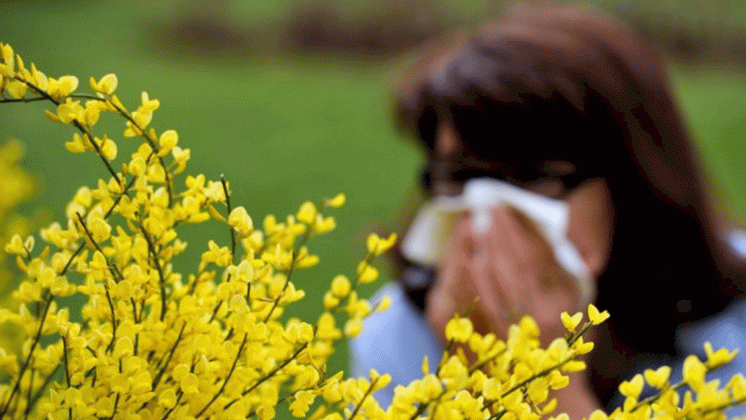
(281, 130)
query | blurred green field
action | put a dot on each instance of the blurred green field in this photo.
(282, 129)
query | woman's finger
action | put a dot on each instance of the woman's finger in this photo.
(513, 257)
(447, 295)
(490, 308)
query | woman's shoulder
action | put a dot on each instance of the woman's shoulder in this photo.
(394, 342)
(401, 327)
(736, 238)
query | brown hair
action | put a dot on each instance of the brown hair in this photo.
(553, 83)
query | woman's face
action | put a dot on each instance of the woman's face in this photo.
(591, 211)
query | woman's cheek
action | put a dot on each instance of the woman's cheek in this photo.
(590, 225)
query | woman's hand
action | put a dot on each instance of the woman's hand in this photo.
(503, 274)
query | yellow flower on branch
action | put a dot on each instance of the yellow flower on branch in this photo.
(62, 87)
(106, 86)
(459, 329)
(571, 322)
(595, 316)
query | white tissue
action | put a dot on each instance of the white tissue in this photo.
(435, 222)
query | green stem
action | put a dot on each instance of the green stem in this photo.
(113, 269)
(36, 99)
(168, 360)
(229, 209)
(360, 404)
(227, 378)
(176, 404)
(269, 375)
(32, 401)
(157, 263)
(29, 392)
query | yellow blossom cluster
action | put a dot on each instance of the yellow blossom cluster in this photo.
(155, 343)
(158, 344)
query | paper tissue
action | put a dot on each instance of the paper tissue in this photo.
(433, 226)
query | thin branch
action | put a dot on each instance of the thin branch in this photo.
(113, 319)
(29, 392)
(36, 99)
(227, 377)
(360, 404)
(70, 261)
(269, 375)
(229, 209)
(170, 354)
(157, 263)
(113, 269)
(179, 394)
(64, 360)
(32, 401)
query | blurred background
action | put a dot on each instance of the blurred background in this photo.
(290, 99)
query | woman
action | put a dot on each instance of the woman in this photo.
(571, 105)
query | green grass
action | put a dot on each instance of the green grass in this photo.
(281, 129)
(713, 101)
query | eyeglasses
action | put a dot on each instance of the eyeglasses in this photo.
(550, 178)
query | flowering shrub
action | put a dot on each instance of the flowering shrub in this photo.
(156, 344)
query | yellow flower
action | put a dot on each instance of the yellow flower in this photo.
(108, 148)
(718, 358)
(324, 225)
(240, 220)
(330, 301)
(377, 246)
(107, 85)
(16, 89)
(123, 348)
(571, 322)
(137, 166)
(737, 385)
(341, 286)
(633, 387)
(7, 64)
(70, 111)
(657, 378)
(337, 201)
(384, 304)
(189, 383)
(367, 273)
(596, 317)
(694, 372)
(62, 87)
(307, 213)
(167, 142)
(459, 329)
(265, 412)
(167, 398)
(302, 400)
(598, 415)
(15, 246)
(353, 327)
